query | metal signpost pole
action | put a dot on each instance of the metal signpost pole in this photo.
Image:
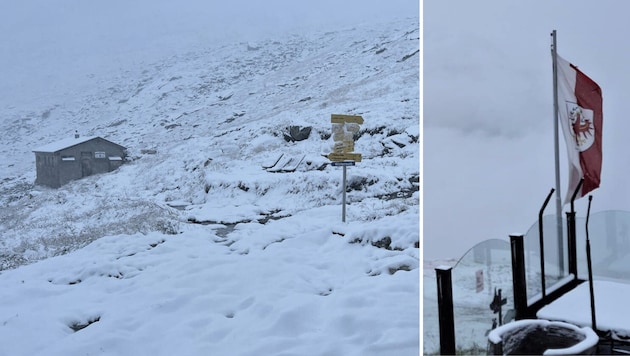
(343, 199)
(344, 129)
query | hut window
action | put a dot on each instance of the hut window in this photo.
(67, 158)
(99, 155)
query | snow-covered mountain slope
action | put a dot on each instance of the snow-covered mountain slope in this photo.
(215, 116)
(192, 247)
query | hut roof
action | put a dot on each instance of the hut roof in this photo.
(65, 143)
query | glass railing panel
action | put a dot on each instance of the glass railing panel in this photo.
(609, 235)
(555, 256)
(482, 271)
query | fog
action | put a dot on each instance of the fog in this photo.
(488, 158)
(66, 45)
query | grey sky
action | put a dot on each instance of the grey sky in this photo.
(488, 111)
(496, 55)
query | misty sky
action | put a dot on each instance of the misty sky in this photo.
(488, 113)
(66, 45)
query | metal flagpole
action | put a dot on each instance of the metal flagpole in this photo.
(557, 154)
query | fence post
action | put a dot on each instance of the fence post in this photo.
(519, 283)
(571, 243)
(445, 310)
(571, 234)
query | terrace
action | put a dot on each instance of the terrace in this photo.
(538, 276)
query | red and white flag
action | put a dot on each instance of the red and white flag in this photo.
(580, 114)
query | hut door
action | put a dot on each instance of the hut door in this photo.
(86, 164)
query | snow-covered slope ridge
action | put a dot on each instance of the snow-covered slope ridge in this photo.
(200, 126)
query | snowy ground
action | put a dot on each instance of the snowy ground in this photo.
(610, 300)
(286, 288)
(195, 249)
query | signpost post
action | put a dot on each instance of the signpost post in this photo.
(344, 127)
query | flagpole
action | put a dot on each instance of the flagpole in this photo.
(557, 154)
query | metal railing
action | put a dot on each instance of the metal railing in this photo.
(528, 273)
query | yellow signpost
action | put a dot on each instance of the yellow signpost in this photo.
(341, 119)
(344, 127)
(338, 157)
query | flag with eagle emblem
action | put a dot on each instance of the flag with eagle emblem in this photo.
(580, 114)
